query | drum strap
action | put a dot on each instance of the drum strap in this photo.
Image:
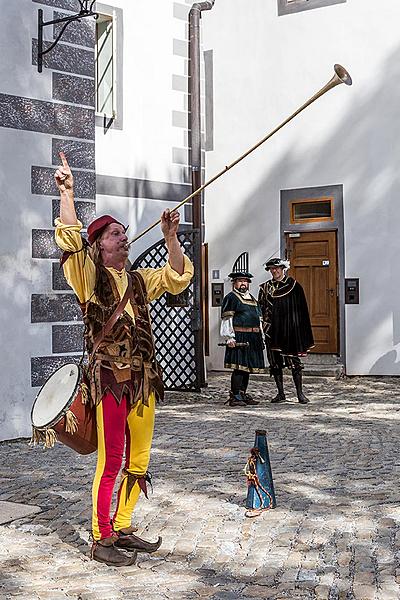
(114, 317)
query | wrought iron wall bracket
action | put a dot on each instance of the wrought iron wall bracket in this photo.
(86, 11)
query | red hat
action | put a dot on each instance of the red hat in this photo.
(97, 227)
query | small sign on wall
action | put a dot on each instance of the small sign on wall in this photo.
(217, 294)
(352, 291)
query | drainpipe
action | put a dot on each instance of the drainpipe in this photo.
(195, 143)
(194, 89)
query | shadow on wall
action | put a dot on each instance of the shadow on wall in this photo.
(370, 205)
(388, 363)
(139, 213)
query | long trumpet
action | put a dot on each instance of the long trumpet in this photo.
(340, 76)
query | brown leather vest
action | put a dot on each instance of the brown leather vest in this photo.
(124, 362)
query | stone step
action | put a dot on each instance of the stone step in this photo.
(323, 370)
(320, 359)
(313, 370)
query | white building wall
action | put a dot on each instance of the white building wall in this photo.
(266, 66)
(37, 310)
(20, 274)
(145, 148)
(32, 119)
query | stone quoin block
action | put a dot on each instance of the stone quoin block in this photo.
(81, 33)
(66, 58)
(44, 245)
(43, 183)
(80, 155)
(59, 283)
(48, 308)
(77, 90)
(67, 338)
(64, 4)
(44, 366)
(17, 112)
(86, 211)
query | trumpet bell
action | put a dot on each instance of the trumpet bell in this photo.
(343, 75)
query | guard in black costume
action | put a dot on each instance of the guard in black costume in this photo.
(241, 323)
(287, 327)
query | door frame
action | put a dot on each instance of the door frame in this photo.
(337, 315)
(336, 224)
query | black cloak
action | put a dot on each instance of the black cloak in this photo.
(286, 319)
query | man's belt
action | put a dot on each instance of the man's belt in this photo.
(247, 329)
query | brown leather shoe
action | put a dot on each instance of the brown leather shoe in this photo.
(235, 400)
(131, 542)
(112, 557)
(249, 400)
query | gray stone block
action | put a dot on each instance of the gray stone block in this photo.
(44, 245)
(180, 83)
(67, 338)
(79, 154)
(44, 366)
(43, 183)
(180, 48)
(81, 33)
(66, 58)
(180, 119)
(181, 11)
(47, 308)
(72, 5)
(180, 156)
(77, 90)
(86, 211)
(187, 212)
(17, 112)
(59, 283)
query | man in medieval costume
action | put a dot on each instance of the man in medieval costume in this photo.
(122, 374)
(242, 330)
(287, 327)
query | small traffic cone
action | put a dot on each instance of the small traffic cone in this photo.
(260, 492)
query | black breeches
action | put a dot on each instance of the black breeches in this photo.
(239, 381)
(277, 361)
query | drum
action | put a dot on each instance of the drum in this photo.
(61, 412)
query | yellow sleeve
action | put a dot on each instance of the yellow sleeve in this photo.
(158, 281)
(79, 269)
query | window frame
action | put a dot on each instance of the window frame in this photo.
(114, 121)
(107, 18)
(293, 203)
(286, 7)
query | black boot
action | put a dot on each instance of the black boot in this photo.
(298, 382)
(249, 400)
(280, 397)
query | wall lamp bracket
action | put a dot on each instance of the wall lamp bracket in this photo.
(86, 10)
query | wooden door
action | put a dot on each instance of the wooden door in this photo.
(313, 262)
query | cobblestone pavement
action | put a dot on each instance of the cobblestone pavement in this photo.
(335, 533)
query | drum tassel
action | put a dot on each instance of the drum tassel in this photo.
(84, 393)
(48, 437)
(71, 422)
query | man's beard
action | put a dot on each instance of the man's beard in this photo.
(243, 288)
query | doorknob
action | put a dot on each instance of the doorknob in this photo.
(331, 292)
